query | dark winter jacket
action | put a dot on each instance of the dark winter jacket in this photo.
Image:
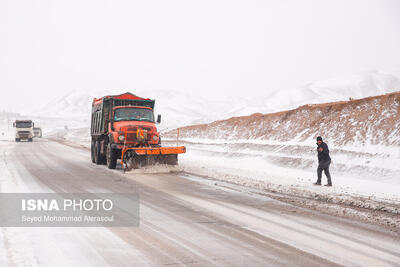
(324, 155)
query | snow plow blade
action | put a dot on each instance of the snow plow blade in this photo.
(135, 157)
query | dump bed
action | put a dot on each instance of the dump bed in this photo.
(101, 108)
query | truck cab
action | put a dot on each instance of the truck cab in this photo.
(23, 130)
(129, 119)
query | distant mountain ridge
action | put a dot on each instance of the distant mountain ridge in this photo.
(181, 109)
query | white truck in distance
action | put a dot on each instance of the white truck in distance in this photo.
(37, 132)
(23, 130)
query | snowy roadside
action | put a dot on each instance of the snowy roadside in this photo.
(78, 137)
(352, 196)
(294, 174)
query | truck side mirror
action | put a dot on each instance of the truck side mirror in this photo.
(33, 124)
(159, 118)
(13, 124)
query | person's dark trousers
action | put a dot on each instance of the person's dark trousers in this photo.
(324, 166)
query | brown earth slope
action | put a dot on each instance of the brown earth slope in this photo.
(372, 120)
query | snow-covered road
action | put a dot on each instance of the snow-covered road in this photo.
(184, 220)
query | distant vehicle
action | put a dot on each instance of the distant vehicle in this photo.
(123, 126)
(23, 130)
(37, 132)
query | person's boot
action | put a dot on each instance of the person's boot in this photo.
(317, 183)
(329, 179)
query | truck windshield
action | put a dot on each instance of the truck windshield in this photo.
(133, 114)
(23, 124)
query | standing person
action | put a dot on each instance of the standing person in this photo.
(324, 160)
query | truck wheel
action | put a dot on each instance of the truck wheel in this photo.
(16, 139)
(97, 157)
(30, 140)
(171, 159)
(92, 152)
(111, 156)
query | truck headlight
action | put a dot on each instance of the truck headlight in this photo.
(155, 137)
(121, 138)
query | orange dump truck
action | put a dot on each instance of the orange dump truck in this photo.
(123, 127)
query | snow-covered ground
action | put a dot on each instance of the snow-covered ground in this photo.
(292, 169)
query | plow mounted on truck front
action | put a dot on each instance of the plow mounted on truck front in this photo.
(134, 158)
(137, 153)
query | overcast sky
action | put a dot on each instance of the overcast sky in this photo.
(50, 47)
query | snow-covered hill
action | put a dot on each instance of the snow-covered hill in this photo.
(363, 134)
(353, 86)
(181, 109)
(368, 121)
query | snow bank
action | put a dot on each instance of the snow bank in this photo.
(239, 164)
